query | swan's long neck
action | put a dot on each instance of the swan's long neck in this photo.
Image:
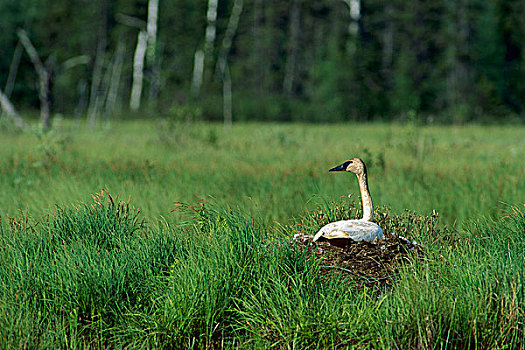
(368, 207)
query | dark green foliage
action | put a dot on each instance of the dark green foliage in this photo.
(457, 60)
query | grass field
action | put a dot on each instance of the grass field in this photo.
(272, 171)
(85, 271)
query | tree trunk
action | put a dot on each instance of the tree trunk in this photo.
(231, 30)
(94, 96)
(13, 70)
(114, 84)
(222, 62)
(155, 77)
(153, 7)
(82, 103)
(138, 71)
(198, 71)
(202, 56)
(44, 79)
(354, 7)
(10, 111)
(6, 105)
(151, 51)
(104, 88)
(211, 28)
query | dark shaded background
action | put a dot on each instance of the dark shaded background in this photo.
(441, 60)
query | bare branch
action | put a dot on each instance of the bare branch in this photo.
(75, 61)
(43, 78)
(10, 111)
(6, 105)
(130, 21)
(13, 69)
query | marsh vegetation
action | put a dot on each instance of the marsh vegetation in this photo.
(178, 235)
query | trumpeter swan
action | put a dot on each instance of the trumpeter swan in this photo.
(340, 232)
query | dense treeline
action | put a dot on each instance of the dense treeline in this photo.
(314, 60)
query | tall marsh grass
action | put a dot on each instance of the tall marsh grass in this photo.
(97, 276)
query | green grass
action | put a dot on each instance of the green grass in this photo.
(97, 276)
(271, 170)
(81, 271)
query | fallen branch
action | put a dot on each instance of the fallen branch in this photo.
(10, 111)
(44, 78)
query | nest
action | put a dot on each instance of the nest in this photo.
(365, 263)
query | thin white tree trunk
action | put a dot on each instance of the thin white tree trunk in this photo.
(94, 96)
(153, 8)
(13, 69)
(151, 51)
(231, 30)
(222, 62)
(105, 85)
(211, 17)
(354, 7)
(138, 71)
(116, 71)
(198, 70)
(201, 56)
(43, 79)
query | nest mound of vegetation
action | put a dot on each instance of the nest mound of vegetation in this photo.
(371, 264)
(365, 263)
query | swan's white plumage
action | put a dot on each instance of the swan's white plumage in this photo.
(340, 232)
(356, 230)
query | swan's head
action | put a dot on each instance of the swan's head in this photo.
(354, 165)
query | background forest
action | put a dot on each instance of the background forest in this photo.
(197, 236)
(296, 60)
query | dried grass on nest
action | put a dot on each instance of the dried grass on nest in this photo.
(370, 264)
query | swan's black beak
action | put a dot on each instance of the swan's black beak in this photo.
(341, 167)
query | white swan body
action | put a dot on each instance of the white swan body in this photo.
(356, 230)
(340, 232)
